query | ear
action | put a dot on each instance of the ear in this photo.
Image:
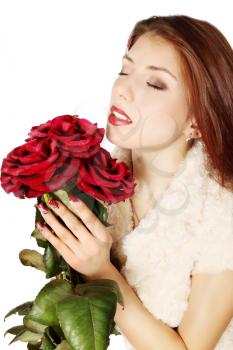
(195, 130)
(192, 129)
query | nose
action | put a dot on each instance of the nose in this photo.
(124, 90)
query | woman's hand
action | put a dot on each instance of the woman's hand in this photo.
(85, 249)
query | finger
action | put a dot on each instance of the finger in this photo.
(92, 222)
(59, 245)
(64, 234)
(72, 222)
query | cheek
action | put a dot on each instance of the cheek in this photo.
(158, 128)
(162, 124)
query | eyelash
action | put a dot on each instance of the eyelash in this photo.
(150, 85)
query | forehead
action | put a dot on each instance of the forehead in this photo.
(152, 49)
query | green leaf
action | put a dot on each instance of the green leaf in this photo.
(26, 336)
(51, 260)
(86, 321)
(44, 306)
(41, 243)
(30, 257)
(36, 233)
(33, 326)
(101, 212)
(22, 309)
(63, 346)
(14, 330)
(99, 286)
(47, 344)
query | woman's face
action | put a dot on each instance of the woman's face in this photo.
(159, 115)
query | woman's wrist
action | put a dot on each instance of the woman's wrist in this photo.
(108, 273)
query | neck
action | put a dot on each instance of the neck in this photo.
(154, 168)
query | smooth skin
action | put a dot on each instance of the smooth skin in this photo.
(158, 139)
(161, 118)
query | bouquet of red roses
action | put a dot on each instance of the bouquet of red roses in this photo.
(62, 159)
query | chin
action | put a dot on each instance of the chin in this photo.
(110, 136)
(118, 139)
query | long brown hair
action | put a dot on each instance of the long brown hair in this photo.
(207, 69)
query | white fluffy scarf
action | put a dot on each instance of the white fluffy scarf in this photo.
(189, 230)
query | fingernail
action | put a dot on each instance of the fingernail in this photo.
(40, 225)
(54, 204)
(74, 199)
(42, 208)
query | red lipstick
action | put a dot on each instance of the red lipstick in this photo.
(117, 121)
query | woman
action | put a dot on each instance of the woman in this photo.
(171, 119)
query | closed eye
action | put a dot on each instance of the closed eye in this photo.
(155, 86)
(149, 84)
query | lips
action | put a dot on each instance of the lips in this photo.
(118, 121)
(116, 109)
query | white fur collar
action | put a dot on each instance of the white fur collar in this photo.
(191, 196)
(189, 231)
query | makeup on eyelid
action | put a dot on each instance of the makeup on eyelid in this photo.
(156, 85)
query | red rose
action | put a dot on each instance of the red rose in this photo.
(65, 151)
(104, 178)
(76, 135)
(39, 131)
(37, 167)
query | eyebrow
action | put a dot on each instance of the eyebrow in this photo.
(151, 67)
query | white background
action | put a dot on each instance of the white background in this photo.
(61, 57)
